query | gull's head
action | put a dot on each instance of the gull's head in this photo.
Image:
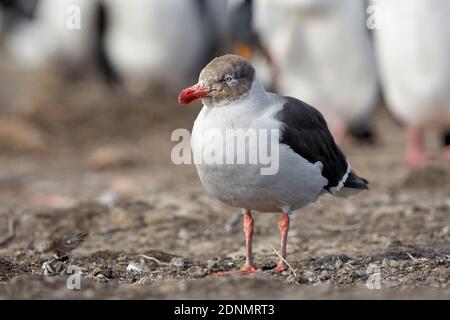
(224, 80)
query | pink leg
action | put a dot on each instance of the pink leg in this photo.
(283, 225)
(250, 266)
(415, 155)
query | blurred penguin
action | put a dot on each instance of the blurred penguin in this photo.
(324, 54)
(154, 43)
(412, 42)
(62, 31)
(37, 34)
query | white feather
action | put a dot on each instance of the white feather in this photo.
(47, 38)
(159, 41)
(413, 49)
(324, 54)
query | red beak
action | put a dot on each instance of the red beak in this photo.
(193, 93)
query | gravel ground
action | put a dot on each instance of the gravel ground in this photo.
(91, 188)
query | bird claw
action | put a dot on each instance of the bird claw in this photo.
(248, 270)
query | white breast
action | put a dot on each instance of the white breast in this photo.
(297, 182)
(413, 49)
(326, 56)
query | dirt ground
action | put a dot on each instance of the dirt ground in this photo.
(95, 166)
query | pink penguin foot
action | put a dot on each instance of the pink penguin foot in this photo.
(419, 160)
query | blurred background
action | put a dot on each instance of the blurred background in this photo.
(88, 102)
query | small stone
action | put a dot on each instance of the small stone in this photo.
(212, 263)
(184, 234)
(20, 136)
(393, 263)
(338, 264)
(47, 268)
(101, 277)
(199, 274)
(136, 267)
(177, 262)
(309, 275)
(109, 157)
(107, 198)
(124, 188)
(372, 269)
(53, 201)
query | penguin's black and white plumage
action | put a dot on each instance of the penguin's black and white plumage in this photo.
(153, 43)
(50, 36)
(309, 161)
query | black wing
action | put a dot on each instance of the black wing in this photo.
(306, 132)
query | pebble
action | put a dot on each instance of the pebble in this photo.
(21, 136)
(108, 198)
(393, 263)
(177, 262)
(184, 234)
(102, 277)
(338, 264)
(108, 157)
(136, 267)
(199, 274)
(212, 263)
(309, 275)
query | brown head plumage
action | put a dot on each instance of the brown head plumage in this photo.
(225, 79)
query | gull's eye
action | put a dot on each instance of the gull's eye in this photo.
(227, 79)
